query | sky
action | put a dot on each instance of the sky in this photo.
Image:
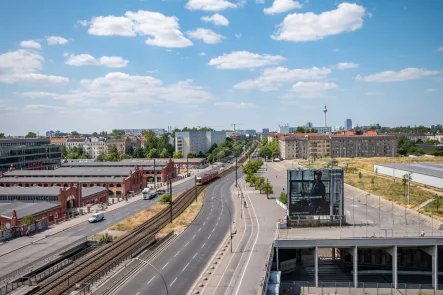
(111, 64)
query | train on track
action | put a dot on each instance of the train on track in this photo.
(201, 180)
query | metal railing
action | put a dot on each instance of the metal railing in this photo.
(268, 270)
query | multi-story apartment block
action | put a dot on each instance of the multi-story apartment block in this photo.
(94, 146)
(265, 130)
(363, 146)
(28, 153)
(122, 144)
(52, 133)
(323, 130)
(75, 142)
(138, 132)
(197, 141)
(319, 146)
(293, 147)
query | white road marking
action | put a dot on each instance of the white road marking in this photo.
(173, 282)
(199, 229)
(193, 236)
(209, 236)
(185, 267)
(150, 281)
(176, 253)
(204, 223)
(194, 255)
(137, 293)
(165, 265)
(213, 229)
(203, 245)
(186, 244)
(216, 223)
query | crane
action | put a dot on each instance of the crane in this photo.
(235, 124)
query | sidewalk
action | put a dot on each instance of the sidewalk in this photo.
(21, 242)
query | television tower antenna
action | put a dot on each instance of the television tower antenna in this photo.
(325, 110)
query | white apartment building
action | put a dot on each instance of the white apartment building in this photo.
(94, 147)
(197, 141)
(293, 147)
(75, 142)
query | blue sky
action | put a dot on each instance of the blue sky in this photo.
(98, 65)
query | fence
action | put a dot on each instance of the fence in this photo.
(268, 270)
(308, 287)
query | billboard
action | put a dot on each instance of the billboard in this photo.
(315, 192)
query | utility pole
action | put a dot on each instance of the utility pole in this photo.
(409, 182)
(241, 206)
(267, 189)
(170, 195)
(187, 166)
(155, 177)
(195, 185)
(236, 172)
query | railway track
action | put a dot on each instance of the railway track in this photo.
(95, 262)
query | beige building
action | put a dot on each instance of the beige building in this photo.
(197, 141)
(94, 147)
(122, 144)
(75, 142)
(293, 147)
(363, 146)
(319, 146)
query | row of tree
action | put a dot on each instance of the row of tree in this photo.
(269, 150)
(258, 182)
(408, 146)
(224, 150)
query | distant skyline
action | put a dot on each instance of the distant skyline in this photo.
(134, 64)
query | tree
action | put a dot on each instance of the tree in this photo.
(153, 153)
(283, 198)
(101, 157)
(95, 134)
(360, 175)
(437, 201)
(130, 151)
(213, 147)
(264, 141)
(177, 155)
(404, 181)
(432, 141)
(2, 135)
(164, 199)
(64, 151)
(28, 219)
(117, 133)
(300, 129)
(138, 153)
(31, 134)
(265, 152)
(151, 140)
(200, 155)
(75, 133)
(437, 151)
(192, 155)
(112, 154)
(164, 153)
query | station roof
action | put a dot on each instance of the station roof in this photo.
(23, 209)
(72, 171)
(430, 169)
(90, 191)
(131, 164)
(61, 180)
(29, 191)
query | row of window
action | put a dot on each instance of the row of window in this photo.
(29, 198)
(58, 184)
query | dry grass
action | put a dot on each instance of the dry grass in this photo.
(383, 186)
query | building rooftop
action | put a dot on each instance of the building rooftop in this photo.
(76, 139)
(434, 169)
(363, 137)
(90, 191)
(72, 171)
(32, 191)
(61, 180)
(24, 209)
(147, 163)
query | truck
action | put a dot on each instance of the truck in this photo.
(150, 193)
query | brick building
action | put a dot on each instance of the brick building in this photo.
(50, 203)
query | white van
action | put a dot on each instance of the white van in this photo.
(96, 217)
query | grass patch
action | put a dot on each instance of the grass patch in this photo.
(431, 209)
(378, 184)
(179, 224)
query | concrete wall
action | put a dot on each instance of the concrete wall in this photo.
(420, 178)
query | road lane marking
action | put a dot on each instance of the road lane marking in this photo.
(194, 255)
(203, 245)
(137, 293)
(204, 223)
(172, 282)
(185, 267)
(186, 244)
(213, 229)
(150, 281)
(176, 253)
(209, 236)
(193, 236)
(216, 223)
(199, 229)
(165, 265)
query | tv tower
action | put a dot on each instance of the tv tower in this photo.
(325, 110)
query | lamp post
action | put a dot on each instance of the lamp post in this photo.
(353, 206)
(148, 263)
(236, 172)
(230, 216)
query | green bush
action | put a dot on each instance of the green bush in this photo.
(164, 198)
(29, 219)
(105, 239)
(283, 198)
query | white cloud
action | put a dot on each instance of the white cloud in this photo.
(30, 44)
(279, 6)
(234, 105)
(299, 27)
(312, 89)
(346, 65)
(209, 5)
(206, 35)
(217, 19)
(238, 36)
(403, 75)
(260, 1)
(202, 54)
(56, 40)
(374, 93)
(370, 14)
(272, 79)
(244, 60)
(83, 22)
(430, 90)
(21, 67)
(118, 88)
(40, 107)
(89, 60)
(440, 49)
(163, 31)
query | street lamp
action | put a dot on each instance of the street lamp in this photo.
(353, 213)
(148, 263)
(230, 216)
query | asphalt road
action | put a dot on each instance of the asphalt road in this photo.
(182, 262)
(21, 257)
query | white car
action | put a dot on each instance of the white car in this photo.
(96, 217)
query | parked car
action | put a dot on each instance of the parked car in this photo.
(96, 217)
